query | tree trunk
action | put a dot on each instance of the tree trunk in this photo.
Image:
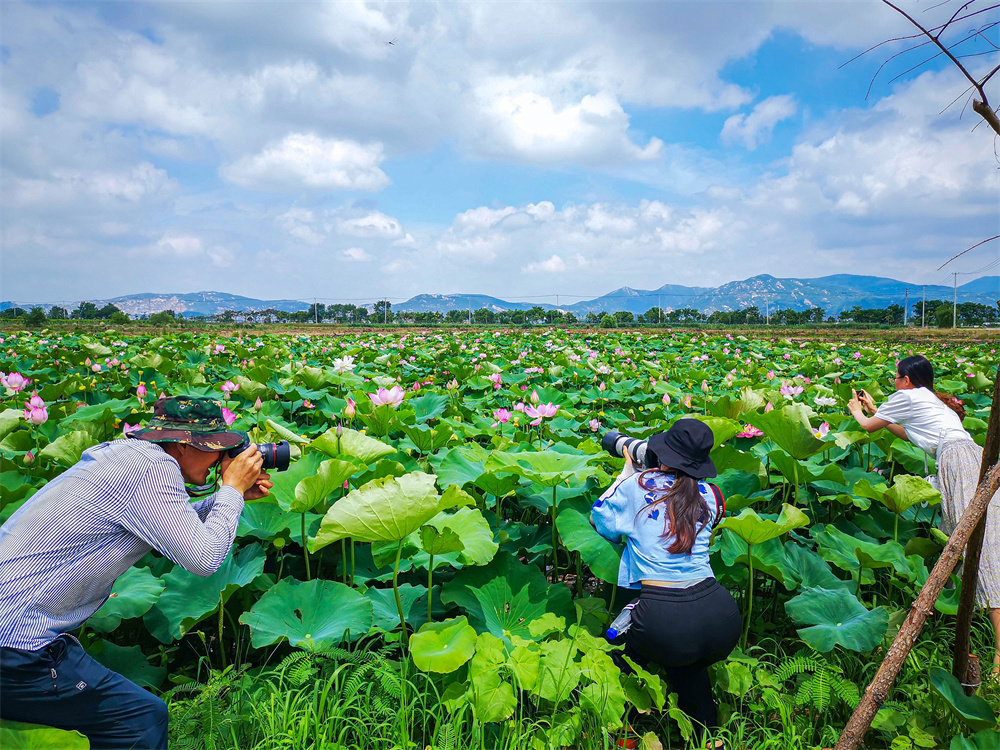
(970, 573)
(877, 692)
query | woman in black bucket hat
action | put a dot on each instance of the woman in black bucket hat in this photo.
(683, 620)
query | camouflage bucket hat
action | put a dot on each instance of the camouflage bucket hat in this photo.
(184, 419)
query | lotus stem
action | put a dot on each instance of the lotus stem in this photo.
(350, 581)
(305, 547)
(430, 587)
(343, 555)
(555, 540)
(395, 590)
(749, 607)
(222, 648)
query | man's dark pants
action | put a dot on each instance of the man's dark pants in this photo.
(61, 686)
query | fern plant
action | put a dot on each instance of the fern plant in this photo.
(824, 684)
(206, 716)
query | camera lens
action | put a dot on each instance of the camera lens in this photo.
(276, 456)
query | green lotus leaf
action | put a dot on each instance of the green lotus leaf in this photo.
(435, 542)
(313, 615)
(493, 698)
(265, 521)
(382, 510)
(133, 595)
(547, 468)
(606, 700)
(67, 449)
(558, 672)
(285, 433)
(188, 599)
(443, 646)
(790, 428)
(498, 485)
(987, 739)
(428, 439)
(9, 421)
(808, 471)
(723, 429)
(809, 570)
(286, 482)
(753, 529)
(768, 557)
(329, 477)
(504, 597)
(429, 406)
(462, 465)
(15, 735)
(384, 612)
(472, 529)
(251, 390)
(971, 709)
(906, 491)
(603, 557)
(351, 443)
(837, 619)
(129, 662)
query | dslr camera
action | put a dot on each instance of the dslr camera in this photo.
(276, 456)
(638, 450)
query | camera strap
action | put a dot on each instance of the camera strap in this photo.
(720, 503)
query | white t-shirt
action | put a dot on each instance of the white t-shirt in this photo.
(929, 424)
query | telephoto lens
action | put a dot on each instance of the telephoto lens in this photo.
(618, 445)
(276, 456)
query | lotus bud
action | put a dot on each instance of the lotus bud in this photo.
(29, 457)
(534, 396)
(340, 430)
(769, 407)
(140, 392)
(258, 405)
(351, 409)
(666, 399)
(704, 386)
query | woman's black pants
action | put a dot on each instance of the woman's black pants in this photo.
(685, 631)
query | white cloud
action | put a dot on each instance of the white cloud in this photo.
(356, 254)
(375, 224)
(524, 122)
(757, 127)
(304, 161)
(555, 264)
(298, 222)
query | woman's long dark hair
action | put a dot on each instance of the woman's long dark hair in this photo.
(921, 373)
(687, 513)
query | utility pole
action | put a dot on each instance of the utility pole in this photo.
(470, 311)
(923, 310)
(954, 306)
(385, 312)
(659, 311)
(906, 304)
(315, 312)
(767, 309)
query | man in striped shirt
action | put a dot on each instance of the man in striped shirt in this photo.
(61, 552)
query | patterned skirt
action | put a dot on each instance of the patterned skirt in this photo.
(958, 465)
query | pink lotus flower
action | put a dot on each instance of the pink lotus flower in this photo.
(770, 374)
(36, 415)
(790, 391)
(220, 348)
(769, 407)
(229, 416)
(229, 387)
(502, 416)
(601, 387)
(307, 404)
(392, 397)
(140, 392)
(534, 397)
(127, 428)
(29, 458)
(595, 425)
(416, 387)
(453, 384)
(35, 402)
(704, 386)
(351, 409)
(749, 431)
(823, 430)
(495, 379)
(540, 412)
(519, 406)
(16, 382)
(95, 367)
(666, 399)
(162, 395)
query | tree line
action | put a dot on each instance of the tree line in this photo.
(939, 313)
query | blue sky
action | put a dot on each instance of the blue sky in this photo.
(283, 150)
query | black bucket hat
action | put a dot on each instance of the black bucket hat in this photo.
(184, 419)
(686, 446)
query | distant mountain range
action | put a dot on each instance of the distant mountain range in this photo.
(833, 293)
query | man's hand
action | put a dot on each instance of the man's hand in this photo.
(261, 488)
(243, 472)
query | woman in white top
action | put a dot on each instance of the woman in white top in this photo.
(933, 422)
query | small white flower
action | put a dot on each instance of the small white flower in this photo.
(825, 401)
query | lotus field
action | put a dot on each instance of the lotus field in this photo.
(425, 574)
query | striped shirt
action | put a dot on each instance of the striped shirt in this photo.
(61, 552)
